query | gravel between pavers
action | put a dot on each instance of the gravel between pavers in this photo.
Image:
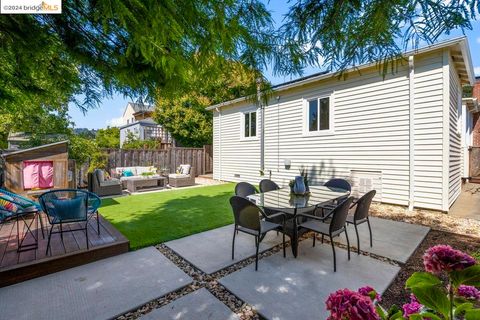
(203, 280)
(433, 219)
(210, 282)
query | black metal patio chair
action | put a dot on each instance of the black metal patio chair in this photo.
(360, 215)
(67, 206)
(244, 189)
(248, 220)
(338, 184)
(268, 185)
(336, 227)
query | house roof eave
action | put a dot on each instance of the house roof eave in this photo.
(462, 41)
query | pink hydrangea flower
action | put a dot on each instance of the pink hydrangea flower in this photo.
(347, 304)
(468, 292)
(444, 258)
(412, 307)
(371, 293)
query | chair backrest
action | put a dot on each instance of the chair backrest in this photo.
(65, 205)
(244, 189)
(339, 183)
(268, 185)
(94, 202)
(96, 175)
(339, 215)
(18, 199)
(363, 205)
(246, 213)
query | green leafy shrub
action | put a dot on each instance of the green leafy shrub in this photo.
(434, 298)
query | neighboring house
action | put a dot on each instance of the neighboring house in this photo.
(476, 117)
(399, 134)
(137, 120)
(472, 146)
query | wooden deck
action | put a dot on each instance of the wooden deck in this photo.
(71, 252)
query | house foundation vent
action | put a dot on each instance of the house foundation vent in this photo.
(364, 181)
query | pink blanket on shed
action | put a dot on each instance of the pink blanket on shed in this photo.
(37, 174)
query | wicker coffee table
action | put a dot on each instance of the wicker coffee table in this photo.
(145, 183)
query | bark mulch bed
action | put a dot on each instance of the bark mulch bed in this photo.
(396, 293)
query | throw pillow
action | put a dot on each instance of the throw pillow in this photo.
(70, 209)
(185, 169)
(7, 204)
(127, 173)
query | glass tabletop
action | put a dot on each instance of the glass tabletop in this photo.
(283, 199)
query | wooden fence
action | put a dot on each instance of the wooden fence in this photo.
(167, 159)
(208, 155)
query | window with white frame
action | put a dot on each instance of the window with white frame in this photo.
(250, 124)
(319, 115)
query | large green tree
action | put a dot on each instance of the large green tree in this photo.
(96, 47)
(37, 80)
(136, 47)
(337, 34)
(141, 48)
(108, 138)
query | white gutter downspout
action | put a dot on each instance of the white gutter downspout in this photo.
(262, 124)
(219, 142)
(411, 151)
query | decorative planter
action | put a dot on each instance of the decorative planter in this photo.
(299, 185)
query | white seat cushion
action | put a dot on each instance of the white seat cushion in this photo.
(178, 175)
(185, 169)
(141, 170)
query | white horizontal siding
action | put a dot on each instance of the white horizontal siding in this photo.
(455, 144)
(428, 141)
(371, 133)
(240, 158)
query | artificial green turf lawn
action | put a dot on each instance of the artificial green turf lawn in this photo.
(152, 218)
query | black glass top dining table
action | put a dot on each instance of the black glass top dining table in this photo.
(282, 200)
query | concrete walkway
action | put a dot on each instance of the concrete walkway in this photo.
(198, 305)
(391, 239)
(211, 250)
(467, 204)
(292, 289)
(100, 290)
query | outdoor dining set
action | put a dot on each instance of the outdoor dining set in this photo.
(325, 210)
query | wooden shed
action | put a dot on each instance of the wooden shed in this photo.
(37, 169)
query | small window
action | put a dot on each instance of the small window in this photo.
(319, 114)
(250, 123)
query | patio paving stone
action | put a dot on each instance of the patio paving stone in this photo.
(211, 251)
(289, 288)
(391, 239)
(100, 290)
(198, 305)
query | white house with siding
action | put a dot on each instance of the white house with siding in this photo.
(400, 134)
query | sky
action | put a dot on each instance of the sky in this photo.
(111, 109)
